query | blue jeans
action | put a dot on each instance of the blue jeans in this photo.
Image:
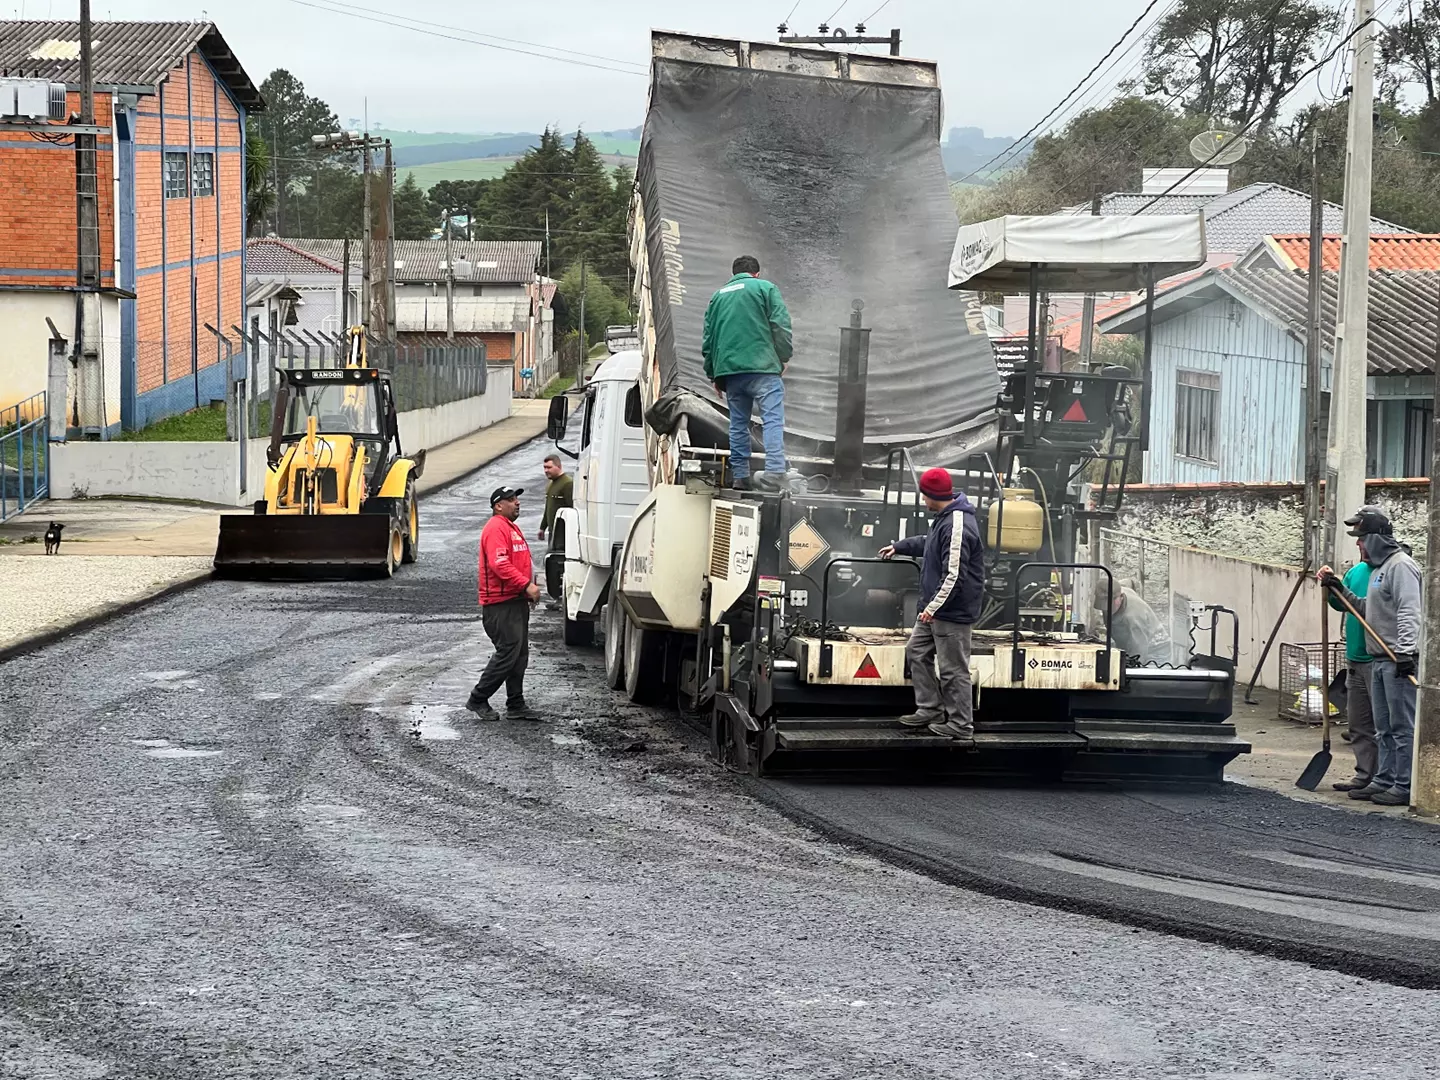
(1392, 699)
(744, 392)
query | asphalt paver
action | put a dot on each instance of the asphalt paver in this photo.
(248, 832)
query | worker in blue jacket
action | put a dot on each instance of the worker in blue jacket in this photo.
(952, 584)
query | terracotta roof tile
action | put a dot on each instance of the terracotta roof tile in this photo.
(1388, 251)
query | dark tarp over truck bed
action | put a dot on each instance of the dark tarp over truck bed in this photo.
(837, 187)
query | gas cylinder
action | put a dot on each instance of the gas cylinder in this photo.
(1021, 525)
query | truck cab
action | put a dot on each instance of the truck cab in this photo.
(606, 441)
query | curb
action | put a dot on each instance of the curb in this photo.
(126, 607)
(452, 481)
(102, 615)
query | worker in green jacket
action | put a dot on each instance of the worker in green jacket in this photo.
(746, 345)
(1358, 664)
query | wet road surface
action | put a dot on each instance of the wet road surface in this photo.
(248, 833)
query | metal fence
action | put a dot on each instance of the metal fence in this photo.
(24, 455)
(423, 376)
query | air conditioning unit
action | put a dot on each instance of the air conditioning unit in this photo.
(32, 100)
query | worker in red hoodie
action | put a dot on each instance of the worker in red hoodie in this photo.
(507, 593)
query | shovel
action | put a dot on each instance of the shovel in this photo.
(1320, 763)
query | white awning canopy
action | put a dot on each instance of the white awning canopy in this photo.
(1075, 254)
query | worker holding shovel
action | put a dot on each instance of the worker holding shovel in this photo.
(1358, 662)
(1390, 613)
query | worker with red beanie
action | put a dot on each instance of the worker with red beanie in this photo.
(952, 582)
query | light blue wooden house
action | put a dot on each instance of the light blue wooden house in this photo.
(1228, 374)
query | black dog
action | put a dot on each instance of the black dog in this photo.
(52, 538)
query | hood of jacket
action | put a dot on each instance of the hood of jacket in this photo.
(1378, 549)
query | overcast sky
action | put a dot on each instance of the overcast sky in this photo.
(1003, 65)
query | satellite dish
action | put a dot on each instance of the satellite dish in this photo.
(1218, 147)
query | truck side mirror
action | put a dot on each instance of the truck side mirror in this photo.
(559, 417)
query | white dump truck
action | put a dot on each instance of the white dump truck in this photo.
(770, 617)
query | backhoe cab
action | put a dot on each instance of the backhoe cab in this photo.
(340, 495)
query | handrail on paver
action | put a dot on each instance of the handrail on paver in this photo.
(24, 454)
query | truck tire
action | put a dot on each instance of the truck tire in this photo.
(615, 623)
(577, 631)
(644, 665)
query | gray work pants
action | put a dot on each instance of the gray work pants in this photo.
(507, 625)
(1361, 720)
(1393, 700)
(939, 656)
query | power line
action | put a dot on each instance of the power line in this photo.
(877, 11)
(1099, 89)
(479, 34)
(786, 21)
(467, 40)
(1254, 123)
(836, 12)
(1108, 53)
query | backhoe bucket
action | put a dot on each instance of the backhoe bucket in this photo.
(305, 546)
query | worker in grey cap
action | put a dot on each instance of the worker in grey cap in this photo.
(1392, 607)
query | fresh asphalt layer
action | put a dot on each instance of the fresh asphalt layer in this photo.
(1232, 865)
(247, 832)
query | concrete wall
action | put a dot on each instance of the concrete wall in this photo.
(25, 344)
(1173, 576)
(210, 471)
(1257, 521)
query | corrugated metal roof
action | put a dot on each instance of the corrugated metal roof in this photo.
(269, 255)
(1404, 310)
(1393, 251)
(423, 261)
(123, 53)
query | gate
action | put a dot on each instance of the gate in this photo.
(24, 455)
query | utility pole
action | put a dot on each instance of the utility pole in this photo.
(1425, 781)
(1314, 446)
(367, 253)
(345, 286)
(1087, 318)
(838, 36)
(90, 390)
(1345, 468)
(389, 238)
(584, 350)
(449, 277)
(377, 305)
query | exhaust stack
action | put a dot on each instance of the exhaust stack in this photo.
(850, 402)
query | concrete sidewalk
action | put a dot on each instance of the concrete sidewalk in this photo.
(1281, 750)
(117, 554)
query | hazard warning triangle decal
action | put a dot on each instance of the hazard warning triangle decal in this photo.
(1075, 414)
(867, 669)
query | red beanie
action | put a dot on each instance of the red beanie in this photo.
(936, 483)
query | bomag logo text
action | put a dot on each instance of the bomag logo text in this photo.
(1056, 665)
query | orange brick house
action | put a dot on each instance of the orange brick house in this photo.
(172, 205)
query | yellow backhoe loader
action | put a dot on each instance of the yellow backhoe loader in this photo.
(340, 495)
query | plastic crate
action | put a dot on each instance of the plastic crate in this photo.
(1302, 682)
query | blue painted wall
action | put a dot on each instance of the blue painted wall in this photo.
(1262, 377)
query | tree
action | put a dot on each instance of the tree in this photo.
(291, 117)
(1410, 51)
(1235, 60)
(259, 192)
(1106, 149)
(602, 307)
(1015, 192)
(413, 217)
